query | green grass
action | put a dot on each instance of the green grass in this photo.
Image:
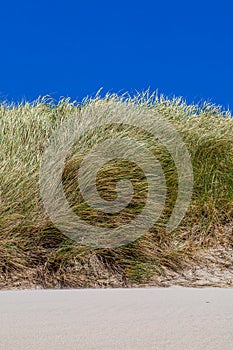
(33, 251)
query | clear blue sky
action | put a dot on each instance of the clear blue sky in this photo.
(72, 48)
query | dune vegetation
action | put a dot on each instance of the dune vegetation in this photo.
(34, 253)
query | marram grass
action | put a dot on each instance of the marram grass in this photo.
(32, 250)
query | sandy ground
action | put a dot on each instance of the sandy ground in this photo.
(153, 318)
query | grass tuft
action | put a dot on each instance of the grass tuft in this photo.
(32, 250)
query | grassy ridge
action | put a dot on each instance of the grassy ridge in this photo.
(34, 252)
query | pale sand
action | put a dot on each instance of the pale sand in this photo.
(134, 319)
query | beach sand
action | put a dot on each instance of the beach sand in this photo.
(173, 318)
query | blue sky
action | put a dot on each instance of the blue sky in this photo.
(73, 48)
